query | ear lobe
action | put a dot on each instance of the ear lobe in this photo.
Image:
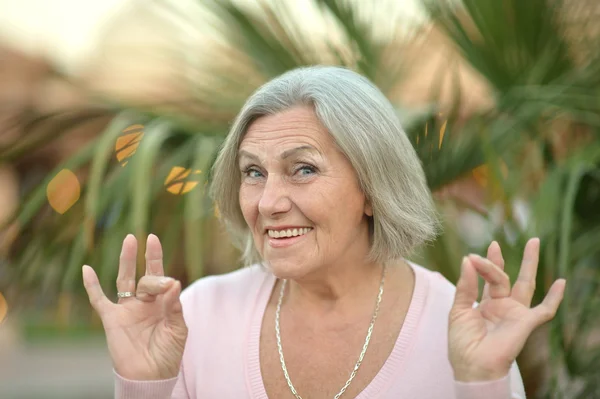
(368, 209)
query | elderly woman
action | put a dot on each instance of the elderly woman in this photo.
(325, 196)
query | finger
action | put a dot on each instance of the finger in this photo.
(524, 287)
(172, 303)
(546, 310)
(98, 300)
(467, 288)
(494, 254)
(173, 311)
(154, 257)
(499, 283)
(126, 275)
(151, 286)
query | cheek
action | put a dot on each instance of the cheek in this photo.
(339, 201)
(248, 205)
(347, 216)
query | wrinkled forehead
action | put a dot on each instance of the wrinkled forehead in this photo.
(287, 133)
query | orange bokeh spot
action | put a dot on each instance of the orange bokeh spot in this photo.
(3, 308)
(441, 135)
(63, 191)
(442, 132)
(481, 174)
(181, 180)
(128, 143)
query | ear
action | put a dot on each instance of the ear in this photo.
(368, 208)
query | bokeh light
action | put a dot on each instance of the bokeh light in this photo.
(128, 143)
(3, 307)
(181, 180)
(63, 191)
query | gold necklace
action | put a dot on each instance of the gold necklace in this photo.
(362, 353)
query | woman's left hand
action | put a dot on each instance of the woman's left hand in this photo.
(485, 340)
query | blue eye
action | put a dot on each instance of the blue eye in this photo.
(306, 170)
(252, 173)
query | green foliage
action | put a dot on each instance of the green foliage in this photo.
(543, 74)
(511, 43)
(542, 80)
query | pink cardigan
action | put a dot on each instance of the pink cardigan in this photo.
(221, 357)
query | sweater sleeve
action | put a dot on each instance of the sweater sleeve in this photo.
(508, 387)
(173, 388)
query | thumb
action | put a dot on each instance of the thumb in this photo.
(546, 310)
(98, 300)
(467, 288)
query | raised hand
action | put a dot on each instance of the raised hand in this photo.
(484, 341)
(146, 333)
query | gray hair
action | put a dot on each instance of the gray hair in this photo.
(366, 128)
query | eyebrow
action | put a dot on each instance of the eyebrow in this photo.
(284, 155)
(246, 154)
(294, 151)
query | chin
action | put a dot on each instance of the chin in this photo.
(288, 269)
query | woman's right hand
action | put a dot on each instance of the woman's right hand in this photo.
(145, 333)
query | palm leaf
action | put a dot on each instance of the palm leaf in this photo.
(52, 125)
(511, 43)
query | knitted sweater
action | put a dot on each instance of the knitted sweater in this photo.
(221, 358)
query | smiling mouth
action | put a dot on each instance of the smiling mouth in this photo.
(288, 233)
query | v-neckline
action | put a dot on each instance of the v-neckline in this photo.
(386, 375)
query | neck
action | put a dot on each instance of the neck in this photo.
(334, 292)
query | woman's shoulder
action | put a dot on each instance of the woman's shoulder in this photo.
(439, 289)
(237, 283)
(219, 311)
(232, 292)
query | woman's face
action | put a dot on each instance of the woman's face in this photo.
(300, 195)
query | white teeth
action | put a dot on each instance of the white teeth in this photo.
(289, 232)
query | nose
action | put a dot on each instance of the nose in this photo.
(275, 197)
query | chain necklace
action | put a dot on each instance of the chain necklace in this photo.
(362, 353)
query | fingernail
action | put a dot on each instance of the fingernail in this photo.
(165, 281)
(475, 256)
(482, 259)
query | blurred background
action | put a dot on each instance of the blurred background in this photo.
(111, 113)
